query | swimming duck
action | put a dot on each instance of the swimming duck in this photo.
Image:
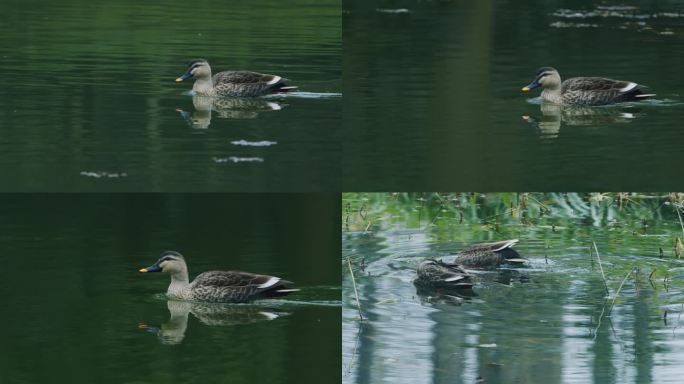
(585, 90)
(438, 274)
(489, 255)
(232, 83)
(217, 286)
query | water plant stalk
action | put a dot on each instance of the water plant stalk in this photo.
(356, 292)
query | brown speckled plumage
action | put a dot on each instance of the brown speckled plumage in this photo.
(585, 90)
(438, 274)
(489, 255)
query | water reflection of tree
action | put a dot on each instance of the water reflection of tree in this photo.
(548, 328)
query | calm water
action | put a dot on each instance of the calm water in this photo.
(75, 307)
(546, 323)
(433, 101)
(90, 104)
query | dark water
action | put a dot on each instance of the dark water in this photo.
(90, 104)
(75, 307)
(550, 322)
(433, 101)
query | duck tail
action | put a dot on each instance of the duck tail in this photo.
(509, 253)
(636, 94)
(281, 288)
(285, 88)
(279, 85)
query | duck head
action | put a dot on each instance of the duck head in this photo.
(170, 262)
(198, 68)
(546, 77)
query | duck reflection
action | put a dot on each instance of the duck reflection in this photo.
(431, 295)
(553, 116)
(173, 331)
(487, 280)
(506, 277)
(226, 108)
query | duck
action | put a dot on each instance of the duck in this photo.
(438, 274)
(585, 90)
(217, 286)
(232, 83)
(490, 255)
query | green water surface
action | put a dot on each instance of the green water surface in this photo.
(76, 309)
(433, 95)
(89, 101)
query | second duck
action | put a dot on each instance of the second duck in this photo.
(232, 83)
(490, 255)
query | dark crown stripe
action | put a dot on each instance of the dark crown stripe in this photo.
(196, 61)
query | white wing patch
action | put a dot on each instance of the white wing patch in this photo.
(455, 278)
(628, 87)
(271, 282)
(278, 78)
(508, 244)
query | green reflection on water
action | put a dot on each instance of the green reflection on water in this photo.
(548, 322)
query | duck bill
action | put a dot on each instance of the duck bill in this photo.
(530, 86)
(151, 268)
(184, 76)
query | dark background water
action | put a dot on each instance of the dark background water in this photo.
(433, 102)
(89, 99)
(549, 322)
(73, 299)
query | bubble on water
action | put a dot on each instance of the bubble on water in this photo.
(395, 11)
(103, 174)
(263, 143)
(235, 159)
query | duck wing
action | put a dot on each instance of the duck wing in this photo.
(493, 247)
(248, 84)
(503, 247)
(238, 286)
(600, 90)
(595, 84)
(245, 77)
